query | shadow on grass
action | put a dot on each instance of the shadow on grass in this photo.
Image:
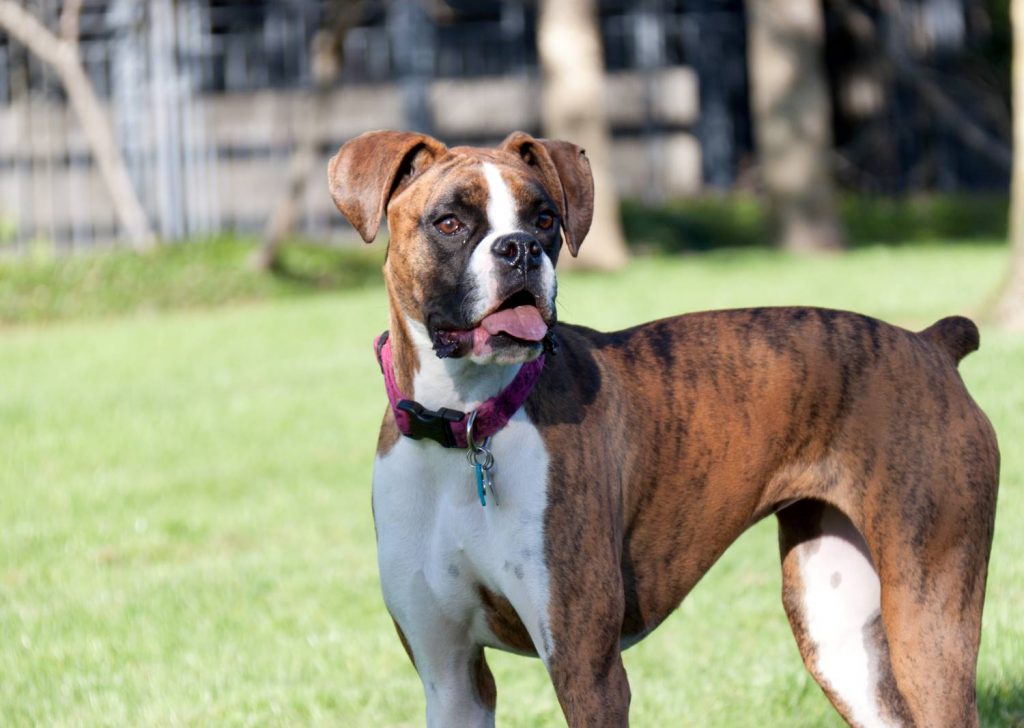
(319, 267)
(1001, 706)
(707, 223)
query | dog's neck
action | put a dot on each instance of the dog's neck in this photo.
(454, 383)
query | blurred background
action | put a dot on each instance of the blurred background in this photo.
(125, 121)
(188, 396)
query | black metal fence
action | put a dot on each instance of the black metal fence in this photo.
(209, 98)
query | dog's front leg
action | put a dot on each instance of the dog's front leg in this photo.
(587, 596)
(457, 683)
(586, 615)
(590, 679)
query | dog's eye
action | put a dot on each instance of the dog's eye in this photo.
(545, 221)
(449, 225)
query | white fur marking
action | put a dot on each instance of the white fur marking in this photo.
(458, 383)
(485, 281)
(548, 282)
(841, 595)
(437, 545)
(502, 220)
(501, 207)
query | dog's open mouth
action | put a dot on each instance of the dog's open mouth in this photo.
(517, 320)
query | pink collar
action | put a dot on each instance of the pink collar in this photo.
(448, 426)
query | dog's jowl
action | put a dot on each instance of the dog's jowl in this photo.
(556, 491)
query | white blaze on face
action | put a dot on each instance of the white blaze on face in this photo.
(501, 207)
(502, 219)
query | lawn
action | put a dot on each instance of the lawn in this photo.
(186, 534)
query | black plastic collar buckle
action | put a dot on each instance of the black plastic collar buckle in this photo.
(425, 423)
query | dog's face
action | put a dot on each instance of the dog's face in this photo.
(475, 233)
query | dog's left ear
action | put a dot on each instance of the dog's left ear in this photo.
(564, 171)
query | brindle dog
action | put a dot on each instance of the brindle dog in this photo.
(640, 455)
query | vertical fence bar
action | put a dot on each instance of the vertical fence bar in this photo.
(8, 162)
(128, 95)
(183, 55)
(23, 154)
(207, 141)
(164, 97)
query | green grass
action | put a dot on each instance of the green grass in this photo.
(186, 534)
(198, 274)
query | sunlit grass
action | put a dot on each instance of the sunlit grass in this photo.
(186, 534)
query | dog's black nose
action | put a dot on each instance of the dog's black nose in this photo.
(519, 250)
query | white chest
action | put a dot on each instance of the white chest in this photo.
(437, 545)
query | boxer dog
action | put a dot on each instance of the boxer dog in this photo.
(556, 491)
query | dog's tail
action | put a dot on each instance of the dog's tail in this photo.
(956, 335)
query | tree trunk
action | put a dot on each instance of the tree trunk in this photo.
(61, 54)
(573, 108)
(304, 156)
(792, 121)
(281, 222)
(1009, 308)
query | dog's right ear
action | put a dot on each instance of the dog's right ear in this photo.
(372, 168)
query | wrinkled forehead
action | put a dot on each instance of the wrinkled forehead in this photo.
(474, 177)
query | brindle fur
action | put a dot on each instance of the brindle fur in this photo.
(720, 418)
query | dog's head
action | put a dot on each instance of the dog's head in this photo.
(474, 233)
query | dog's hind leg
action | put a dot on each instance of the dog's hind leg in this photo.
(832, 596)
(932, 623)
(932, 571)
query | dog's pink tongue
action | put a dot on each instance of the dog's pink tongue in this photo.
(522, 322)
